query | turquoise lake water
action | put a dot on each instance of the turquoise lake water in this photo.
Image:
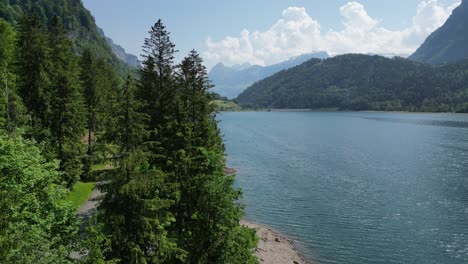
(361, 188)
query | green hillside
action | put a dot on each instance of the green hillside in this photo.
(361, 82)
(78, 21)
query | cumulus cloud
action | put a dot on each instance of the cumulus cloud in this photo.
(297, 33)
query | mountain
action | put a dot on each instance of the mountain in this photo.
(362, 82)
(449, 42)
(78, 21)
(120, 52)
(231, 81)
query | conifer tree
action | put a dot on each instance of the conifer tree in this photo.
(10, 105)
(128, 129)
(135, 213)
(100, 84)
(207, 216)
(88, 77)
(33, 64)
(66, 104)
(158, 92)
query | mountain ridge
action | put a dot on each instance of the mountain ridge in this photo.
(119, 51)
(448, 43)
(78, 21)
(362, 82)
(231, 81)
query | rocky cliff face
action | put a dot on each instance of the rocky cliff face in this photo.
(449, 42)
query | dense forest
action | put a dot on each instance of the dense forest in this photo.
(362, 82)
(77, 20)
(167, 198)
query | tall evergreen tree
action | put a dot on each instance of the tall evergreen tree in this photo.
(66, 103)
(157, 83)
(128, 129)
(207, 216)
(158, 92)
(135, 213)
(100, 84)
(10, 105)
(33, 63)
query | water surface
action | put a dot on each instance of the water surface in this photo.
(359, 188)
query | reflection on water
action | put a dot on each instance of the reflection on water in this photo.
(356, 187)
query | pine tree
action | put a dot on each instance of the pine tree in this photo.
(135, 213)
(32, 68)
(88, 77)
(207, 216)
(66, 104)
(100, 84)
(157, 82)
(11, 110)
(129, 127)
(158, 92)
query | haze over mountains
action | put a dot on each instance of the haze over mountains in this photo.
(119, 51)
(231, 81)
(449, 43)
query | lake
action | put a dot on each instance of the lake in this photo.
(356, 187)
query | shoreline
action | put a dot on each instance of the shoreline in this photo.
(273, 247)
(335, 111)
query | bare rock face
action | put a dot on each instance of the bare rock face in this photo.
(448, 43)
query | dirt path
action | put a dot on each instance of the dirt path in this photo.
(90, 206)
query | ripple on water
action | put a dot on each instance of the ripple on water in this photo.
(363, 188)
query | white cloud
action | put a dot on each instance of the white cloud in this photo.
(297, 33)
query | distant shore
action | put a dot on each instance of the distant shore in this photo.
(273, 248)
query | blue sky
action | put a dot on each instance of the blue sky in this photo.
(266, 32)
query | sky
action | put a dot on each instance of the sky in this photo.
(265, 32)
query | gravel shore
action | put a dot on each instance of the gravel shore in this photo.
(273, 248)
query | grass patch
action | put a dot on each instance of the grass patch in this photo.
(98, 167)
(226, 106)
(80, 193)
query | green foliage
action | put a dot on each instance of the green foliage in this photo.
(79, 193)
(135, 213)
(32, 66)
(226, 106)
(35, 225)
(127, 129)
(66, 103)
(361, 82)
(100, 84)
(207, 217)
(169, 200)
(11, 108)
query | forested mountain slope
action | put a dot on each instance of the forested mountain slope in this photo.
(361, 82)
(449, 42)
(78, 22)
